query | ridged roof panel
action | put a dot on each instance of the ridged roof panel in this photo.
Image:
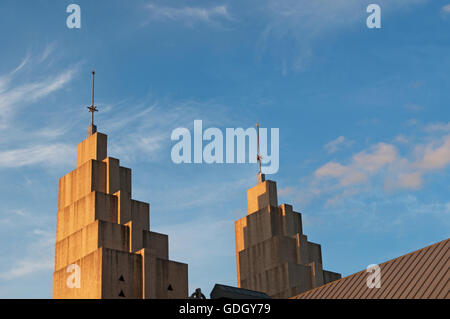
(421, 274)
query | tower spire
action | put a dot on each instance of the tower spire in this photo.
(92, 128)
(260, 176)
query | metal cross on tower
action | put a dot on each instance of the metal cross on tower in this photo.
(258, 155)
(92, 109)
(260, 177)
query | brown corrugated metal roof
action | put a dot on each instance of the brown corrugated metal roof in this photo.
(421, 274)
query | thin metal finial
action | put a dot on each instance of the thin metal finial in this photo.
(92, 108)
(93, 80)
(258, 155)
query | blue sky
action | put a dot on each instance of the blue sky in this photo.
(363, 116)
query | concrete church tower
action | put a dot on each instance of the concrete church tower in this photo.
(272, 254)
(107, 235)
(104, 246)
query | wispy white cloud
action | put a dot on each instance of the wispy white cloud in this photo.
(301, 22)
(429, 157)
(51, 133)
(153, 121)
(47, 155)
(403, 172)
(362, 165)
(286, 191)
(336, 144)
(190, 15)
(435, 155)
(322, 16)
(381, 162)
(26, 267)
(38, 257)
(38, 147)
(445, 10)
(15, 95)
(47, 52)
(414, 107)
(402, 139)
(374, 212)
(438, 127)
(185, 195)
(21, 65)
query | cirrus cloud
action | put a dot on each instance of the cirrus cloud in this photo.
(445, 10)
(190, 15)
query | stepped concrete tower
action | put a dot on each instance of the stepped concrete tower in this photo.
(272, 254)
(104, 247)
(106, 234)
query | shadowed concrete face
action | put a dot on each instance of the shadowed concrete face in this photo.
(106, 233)
(272, 254)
